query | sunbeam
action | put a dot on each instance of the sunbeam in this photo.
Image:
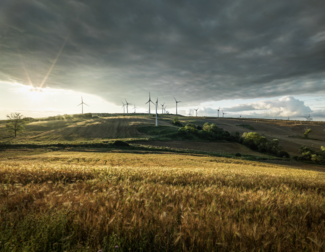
(50, 70)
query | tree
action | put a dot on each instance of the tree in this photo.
(16, 123)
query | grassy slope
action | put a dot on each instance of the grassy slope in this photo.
(126, 127)
(60, 201)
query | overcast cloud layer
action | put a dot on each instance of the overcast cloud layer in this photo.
(195, 50)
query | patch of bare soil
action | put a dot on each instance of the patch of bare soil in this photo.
(218, 147)
(104, 128)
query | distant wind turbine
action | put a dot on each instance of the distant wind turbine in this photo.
(82, 105)
(123, 107)
(176, 104)
(149, 103)
(135, 109)
(224, 114)
(127, 106)
(218, 111)
(162, 108)
(165, 109)
(196, 111)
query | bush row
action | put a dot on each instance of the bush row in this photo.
(252, 140)
(261, 144)
(308, 154)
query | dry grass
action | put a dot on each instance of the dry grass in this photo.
(71, 201)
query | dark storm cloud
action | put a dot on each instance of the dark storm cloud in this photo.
(195, 50)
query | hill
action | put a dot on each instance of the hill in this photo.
(130, 127)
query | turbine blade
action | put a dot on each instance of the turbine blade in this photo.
(86, 104)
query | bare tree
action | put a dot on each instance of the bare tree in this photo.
(16, 123)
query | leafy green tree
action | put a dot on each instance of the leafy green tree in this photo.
(307, 131)
(206, 127)
(16, 123)
(252, 136)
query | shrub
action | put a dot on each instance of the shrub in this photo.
(283, 154)
(177, 122)
(237, 154)
(307, 131)
(191, 128)
(120, 144)
(204, 135)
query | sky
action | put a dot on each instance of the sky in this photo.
(253, 58)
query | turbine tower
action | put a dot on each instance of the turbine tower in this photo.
(162, 108)
(176, 104)
(135, 109)
(82, 105)
(149, 102)
(218, 111)
(165, 109)
(157, 112)
(127, 106)
(224, 114)
(196, 111)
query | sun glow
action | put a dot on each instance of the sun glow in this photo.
(36, 94)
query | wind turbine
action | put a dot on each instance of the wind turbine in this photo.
(218, 111)
(224, 114)
(127, 106)
(165, 109)
(149, 102)
(157, 112)
(196, 111)
(123, 107)
(82, 103)
(162, 108)
(176, 104)
(134, 108)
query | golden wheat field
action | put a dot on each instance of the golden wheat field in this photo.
(91, 201)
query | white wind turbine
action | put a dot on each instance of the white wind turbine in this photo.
(218, 111)
(224, 114)
(176, 104)
(196, 111)
(123, 107)
(165, 109)
(82, 105)
(162, 108)
(127, 106)
(134, 108)
(149, 103)
(157, 112)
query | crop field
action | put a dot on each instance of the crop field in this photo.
(90, 201)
